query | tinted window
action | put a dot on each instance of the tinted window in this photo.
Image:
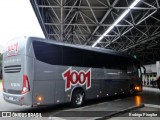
(72, 56)
(99, 60)
(94, 59)
(48, 53)
(69, 56)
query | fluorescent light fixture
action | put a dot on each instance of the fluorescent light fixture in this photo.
(116, 22)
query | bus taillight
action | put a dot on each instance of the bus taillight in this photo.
(26, 87)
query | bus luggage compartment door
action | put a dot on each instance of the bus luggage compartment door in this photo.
(43, 92)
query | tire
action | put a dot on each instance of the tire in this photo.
(77, 98)
(131, 90)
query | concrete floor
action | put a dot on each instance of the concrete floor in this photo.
(95, 109)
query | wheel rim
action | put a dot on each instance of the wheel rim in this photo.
(79, 99)
(131, 91)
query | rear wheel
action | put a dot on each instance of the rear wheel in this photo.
(77, 98)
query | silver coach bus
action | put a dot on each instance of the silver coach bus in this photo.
(42, 72)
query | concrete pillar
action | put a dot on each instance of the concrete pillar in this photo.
(158, 68)
(146, 80)
(149, 80)
(143, 79)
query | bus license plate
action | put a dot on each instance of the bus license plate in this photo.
(10, 98)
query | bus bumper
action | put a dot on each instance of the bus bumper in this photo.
(24, 99)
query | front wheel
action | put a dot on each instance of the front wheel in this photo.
(131, 90)
(77, 98)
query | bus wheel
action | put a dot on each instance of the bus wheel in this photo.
(131, 91)
(77, 98)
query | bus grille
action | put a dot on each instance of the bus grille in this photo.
(12, 69)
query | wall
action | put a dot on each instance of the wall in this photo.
(150, 68)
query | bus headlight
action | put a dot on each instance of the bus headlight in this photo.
(137, 88)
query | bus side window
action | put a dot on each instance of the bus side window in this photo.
(72, 56)
(48, 53)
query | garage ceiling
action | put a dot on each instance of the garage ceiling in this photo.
(85, 21)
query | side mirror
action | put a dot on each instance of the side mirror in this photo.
(144, 69)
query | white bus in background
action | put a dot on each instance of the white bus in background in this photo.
(43, 72)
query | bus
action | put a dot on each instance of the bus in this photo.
(38, 71)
